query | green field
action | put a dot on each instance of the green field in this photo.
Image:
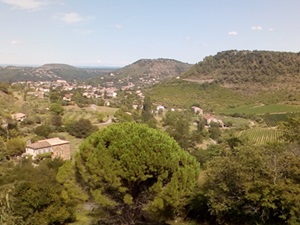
(262, 109)
(259, 136)
(73, 113)
(184, 94)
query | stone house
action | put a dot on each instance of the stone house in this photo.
(197, 110)
(57, 147)
(18, 116)
(210, 119)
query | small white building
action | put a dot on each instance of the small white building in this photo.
(57, 147)
(18, 116)
(197, 110)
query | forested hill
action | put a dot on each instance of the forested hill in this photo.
(49, 72)
(153, 68)
(249, 70)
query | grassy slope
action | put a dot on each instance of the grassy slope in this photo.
(183, 94)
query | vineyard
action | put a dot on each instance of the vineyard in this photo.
(260, 136)
(272, 120)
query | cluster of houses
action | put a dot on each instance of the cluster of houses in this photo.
(40, 88)
(209, 118)
(61, 148)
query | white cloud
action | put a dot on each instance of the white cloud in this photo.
(118, 26)
(27, 4)
(71, 17)
(16, 42)
(256, 28)
(271, 29)
(82, 32)
(232, 33)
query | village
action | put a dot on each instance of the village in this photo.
(55, 147)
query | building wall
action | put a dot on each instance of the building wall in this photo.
(35, 152)
(62, 151)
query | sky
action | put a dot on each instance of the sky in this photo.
(106, 33)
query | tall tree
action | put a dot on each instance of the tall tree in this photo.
(15, 146)
(254, 185)
(33, 196)
(178, 126)
(147, 113)
(291, 130)
(137, 174)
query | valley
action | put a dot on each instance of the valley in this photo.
(235, 106)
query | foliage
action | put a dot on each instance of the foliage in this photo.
(291, 130)
(144, 71)
(205, 155)
(136, 174)
(56, 108)
(36, 196)
(43, 130)
(80, 100)
(214, 132)
(4, 87)
(101, 117)
(178, 126)
(147, 113)
(81, 128)
(55, 96)
(2, 149)
(249, 70)
(56, 120)
(122, 116)
(15, 146)
(254, 185)
(72, 192)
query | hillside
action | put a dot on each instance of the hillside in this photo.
(249, 71)
(147, 72)
(232, 79)
(153, 68)
(48, 72)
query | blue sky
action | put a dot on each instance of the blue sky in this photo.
(120, 32)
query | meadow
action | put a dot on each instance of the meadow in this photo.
(73, 113)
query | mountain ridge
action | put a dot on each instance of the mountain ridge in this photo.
(49, 72)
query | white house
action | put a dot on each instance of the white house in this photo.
(57, 147)
(18, 116)
(197, 110)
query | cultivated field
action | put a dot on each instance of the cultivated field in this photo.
(73, 113)
(259, 136)
(262, 109)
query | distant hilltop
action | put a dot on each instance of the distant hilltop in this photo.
(155, 68)
(249, 70)
(49, 72)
